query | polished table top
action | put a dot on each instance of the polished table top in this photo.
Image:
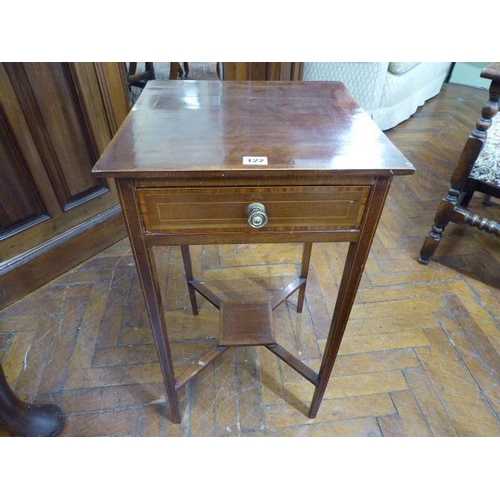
(193, 127)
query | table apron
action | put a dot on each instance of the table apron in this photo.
(249, 238)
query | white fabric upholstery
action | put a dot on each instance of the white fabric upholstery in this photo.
(398, 68)
(487, 166)
(365, 81)
(389, 92)
(405, 92)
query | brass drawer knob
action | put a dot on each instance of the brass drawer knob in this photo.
(256, 215)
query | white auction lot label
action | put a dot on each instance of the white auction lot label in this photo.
(255, 160)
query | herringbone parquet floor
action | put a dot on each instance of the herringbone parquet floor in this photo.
(420, 357)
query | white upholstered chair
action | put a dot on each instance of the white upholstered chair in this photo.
(389, 91)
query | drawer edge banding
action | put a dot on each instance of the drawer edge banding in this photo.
(223, 209)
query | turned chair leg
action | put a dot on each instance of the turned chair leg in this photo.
(441, 220)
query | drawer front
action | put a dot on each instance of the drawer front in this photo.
(289, 208)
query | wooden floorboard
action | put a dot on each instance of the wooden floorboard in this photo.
(421, 356)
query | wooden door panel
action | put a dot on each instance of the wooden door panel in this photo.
(91, 97)
(50, 102)
(20, 205)
(20, 114)
(55, 122)
(16, 123)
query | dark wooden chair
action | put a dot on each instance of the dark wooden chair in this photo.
(478, 170)
(140, 79)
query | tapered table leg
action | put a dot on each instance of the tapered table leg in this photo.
(304, 271)
(148, 276)
(357, 256)
(188, 270)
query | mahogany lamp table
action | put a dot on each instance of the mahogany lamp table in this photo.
(222, 162)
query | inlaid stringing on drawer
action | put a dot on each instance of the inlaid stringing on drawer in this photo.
(289, 208)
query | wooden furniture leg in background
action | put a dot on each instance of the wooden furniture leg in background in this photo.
(28, 420)
(177, 72)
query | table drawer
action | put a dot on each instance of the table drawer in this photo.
(289, 208)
